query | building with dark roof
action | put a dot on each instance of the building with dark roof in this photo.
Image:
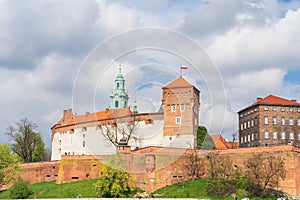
(269, 121)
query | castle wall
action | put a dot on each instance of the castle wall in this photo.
(156, 167)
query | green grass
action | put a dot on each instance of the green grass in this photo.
(67, 190)
(189, 189)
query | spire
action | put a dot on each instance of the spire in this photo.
(135, 110)
(119, 96)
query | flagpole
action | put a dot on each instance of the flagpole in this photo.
(180, 71)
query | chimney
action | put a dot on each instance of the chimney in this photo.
(65, 112)
(259, 99)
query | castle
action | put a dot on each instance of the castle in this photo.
(100, 133)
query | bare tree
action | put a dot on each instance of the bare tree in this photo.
(219, 166)
(119, 131)
(194, 164)
(266, 170)
(234, 136)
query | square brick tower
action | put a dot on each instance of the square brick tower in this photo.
(181, 103)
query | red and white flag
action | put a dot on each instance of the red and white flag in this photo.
(184, 67)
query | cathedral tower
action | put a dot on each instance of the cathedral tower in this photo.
(181, 103)
(119, 96)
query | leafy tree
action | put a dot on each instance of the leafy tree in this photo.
(27, 143)
(115, 181)
(204, 141)
(8, 165)
(20, 190)
(264, 171)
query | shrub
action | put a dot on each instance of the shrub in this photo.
(20, 190)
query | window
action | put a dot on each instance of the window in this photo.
(266, 134)
(298, 122)
(274, 109)
(83, 135)
(249, 138)
(298, 109)
(252, 122)
(275, 135)
(83, 144)
(274, 120)
(242, 140)
(283, 135)
(266, 108)
(248, 124)
(291, 109)
(116, 104)
(241, 115)
(118, 85)
(241, 126)
(252, 136)
(266, 120)
(245, 139)
(282, 109)
(178, 120)
(282, 121)
(173, 108)
(255, 121)
(291, 136)
(245, 125)
(291, 121)
(298, 136)
(182, 107)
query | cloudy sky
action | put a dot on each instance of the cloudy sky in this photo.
(56, 55)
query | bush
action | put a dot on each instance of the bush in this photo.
(222, 187)
(20, 190)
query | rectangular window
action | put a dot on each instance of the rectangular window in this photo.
(242, 140)
(181, 107)
(298, 109)
(252, 136)
(282, 109)
(245, 125)
(266, 134)
(282, 121)
(252, 122)
(298, 136)
(83, 144)
(291, 109)
(173, 108)
(291, 136)
(248, 124)
(266, 108)
(283, 135)
(116, 104)
(275, 135)
(298, 122)
(266, 120)
(245, 139)
(274, 120)
(241, 127)
(274, 109)
(249, 138)
(291, 121)
(178, 120)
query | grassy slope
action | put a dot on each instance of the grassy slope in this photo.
(192, 189)
(67, 190)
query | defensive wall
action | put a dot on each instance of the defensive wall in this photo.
(155, 167)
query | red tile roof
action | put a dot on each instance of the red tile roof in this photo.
(180, 82)
(96, 116)
(219, 141)
(273, 100)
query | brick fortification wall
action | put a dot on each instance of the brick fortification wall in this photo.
(155, 167)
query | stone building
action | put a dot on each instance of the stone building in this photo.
(100, 133)
(270, 121)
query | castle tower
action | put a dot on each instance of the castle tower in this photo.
(181, 103)
(119, 96)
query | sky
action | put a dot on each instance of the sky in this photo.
(56, 55)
